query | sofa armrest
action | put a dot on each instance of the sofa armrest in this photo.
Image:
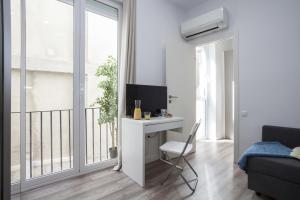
(287, 136)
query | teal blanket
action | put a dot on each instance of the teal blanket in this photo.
(264, 149)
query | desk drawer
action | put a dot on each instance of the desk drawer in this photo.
(163, 126)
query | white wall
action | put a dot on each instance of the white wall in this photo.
(269, 60)
(157, 22)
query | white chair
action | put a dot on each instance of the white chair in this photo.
(181, 149)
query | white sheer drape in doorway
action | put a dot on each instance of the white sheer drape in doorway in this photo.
(213, 104)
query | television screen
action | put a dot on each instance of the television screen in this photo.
(153, 98)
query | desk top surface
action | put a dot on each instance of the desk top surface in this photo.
(153, 120)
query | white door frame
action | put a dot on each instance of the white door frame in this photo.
(234, 37)
(6, 84)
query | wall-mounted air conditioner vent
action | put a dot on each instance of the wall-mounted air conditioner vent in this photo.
(204, 24)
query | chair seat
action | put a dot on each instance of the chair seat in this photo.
(176, 147)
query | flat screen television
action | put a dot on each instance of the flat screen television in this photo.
(153, 98)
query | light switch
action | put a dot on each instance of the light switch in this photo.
(244, 113)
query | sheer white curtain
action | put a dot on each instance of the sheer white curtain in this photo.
(211, 91)
(127, 64)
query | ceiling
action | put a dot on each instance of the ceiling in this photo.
(187, 4)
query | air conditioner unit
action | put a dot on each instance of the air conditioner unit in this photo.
(210, 22)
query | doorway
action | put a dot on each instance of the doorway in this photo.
(216, 90)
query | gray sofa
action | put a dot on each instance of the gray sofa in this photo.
(276, 177)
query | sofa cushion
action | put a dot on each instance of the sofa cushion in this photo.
(289, 137)
(284, 168)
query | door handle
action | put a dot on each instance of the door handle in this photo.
(173, 97)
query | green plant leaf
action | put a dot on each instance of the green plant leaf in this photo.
(108, 103)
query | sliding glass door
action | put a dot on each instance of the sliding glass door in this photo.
(42, 91)
(64, 88)
(49, 87)
(101, 74)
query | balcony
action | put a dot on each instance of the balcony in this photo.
(49, 141)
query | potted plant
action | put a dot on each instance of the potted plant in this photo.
(108, 103)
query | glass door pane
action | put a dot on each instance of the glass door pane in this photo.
(101, 73)
(49, 87)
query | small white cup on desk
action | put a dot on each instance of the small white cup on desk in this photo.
(163, 112)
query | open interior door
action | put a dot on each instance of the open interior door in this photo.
(181, 83)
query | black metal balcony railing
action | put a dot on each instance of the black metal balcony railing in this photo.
(44, 125)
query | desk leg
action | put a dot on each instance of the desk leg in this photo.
(133, 152)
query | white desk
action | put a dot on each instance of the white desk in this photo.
(133, 143)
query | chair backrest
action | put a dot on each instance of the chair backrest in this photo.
(191, 136)
(193, 132)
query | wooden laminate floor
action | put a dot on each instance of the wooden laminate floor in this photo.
(219, 179)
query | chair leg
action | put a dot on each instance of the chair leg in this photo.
(173, 165)
(187, 162)
(188, 184)
(168, 176)
(170, 172)
(170, 163)
(196, 179)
